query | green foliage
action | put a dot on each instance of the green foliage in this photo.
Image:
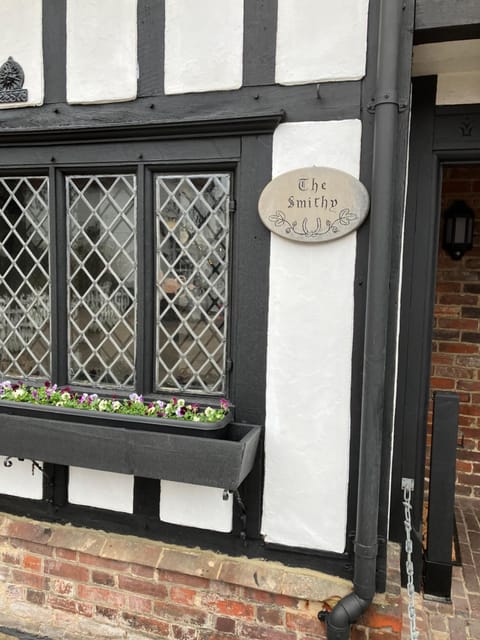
(52, 395)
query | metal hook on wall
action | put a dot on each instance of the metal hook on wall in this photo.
(8, 462)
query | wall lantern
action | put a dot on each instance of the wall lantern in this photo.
(458, 229)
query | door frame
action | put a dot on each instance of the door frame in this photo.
(438, 135)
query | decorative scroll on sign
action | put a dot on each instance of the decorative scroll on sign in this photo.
(314, 204)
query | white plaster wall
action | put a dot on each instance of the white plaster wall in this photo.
(21, 39)
(309, 359)
(101, 489)
(18, 480)
(101, 50)
(203, 45)
(195, 506)
(321, 40)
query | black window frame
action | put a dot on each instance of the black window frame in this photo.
(245, 151)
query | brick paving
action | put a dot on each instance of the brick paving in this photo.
(459, 620)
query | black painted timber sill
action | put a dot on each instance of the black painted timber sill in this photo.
(123, 446)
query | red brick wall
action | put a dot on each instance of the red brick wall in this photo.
(97, 585)
(456, 334)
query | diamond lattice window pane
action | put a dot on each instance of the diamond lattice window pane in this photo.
(101, 214)
(24, 278)
(192, 233)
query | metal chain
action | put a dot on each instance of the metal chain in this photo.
(407, 487)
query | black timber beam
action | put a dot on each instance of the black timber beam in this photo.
(154, 130)
(443, 20)
(241, 111)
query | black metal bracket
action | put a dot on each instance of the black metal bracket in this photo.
(8, 462)
(389, 97)
(437, 578)
(243, 515)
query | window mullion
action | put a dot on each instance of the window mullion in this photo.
(145, 282)
(58, 276)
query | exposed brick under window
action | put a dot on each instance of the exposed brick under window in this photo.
(456, 333)
(92, 584)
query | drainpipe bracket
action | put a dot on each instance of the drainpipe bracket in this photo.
(390, 96)
(366, 551)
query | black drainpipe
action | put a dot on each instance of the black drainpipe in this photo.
(386, 108)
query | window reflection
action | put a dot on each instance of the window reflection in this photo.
(102, 273)
(24, 277)
(192, 216)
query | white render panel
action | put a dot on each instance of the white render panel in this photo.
(320, 40)
(195, 506)
(101, 51)
(18, 480)
(203, 45)
(22, 40)
(309, 358)
(100, 489)
(458, 88)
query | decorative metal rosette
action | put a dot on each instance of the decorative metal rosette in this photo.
(11, 82)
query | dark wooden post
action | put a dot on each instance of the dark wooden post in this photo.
(441, 503)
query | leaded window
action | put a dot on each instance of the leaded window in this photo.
(145, 269)
(192, 231)
(24, 277)
(81, 322)
(101, 219)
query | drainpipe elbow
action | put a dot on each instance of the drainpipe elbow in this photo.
(343, 615)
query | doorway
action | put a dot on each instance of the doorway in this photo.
(444, 145)
(456, 328)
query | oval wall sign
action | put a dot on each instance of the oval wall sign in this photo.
(313, 204)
